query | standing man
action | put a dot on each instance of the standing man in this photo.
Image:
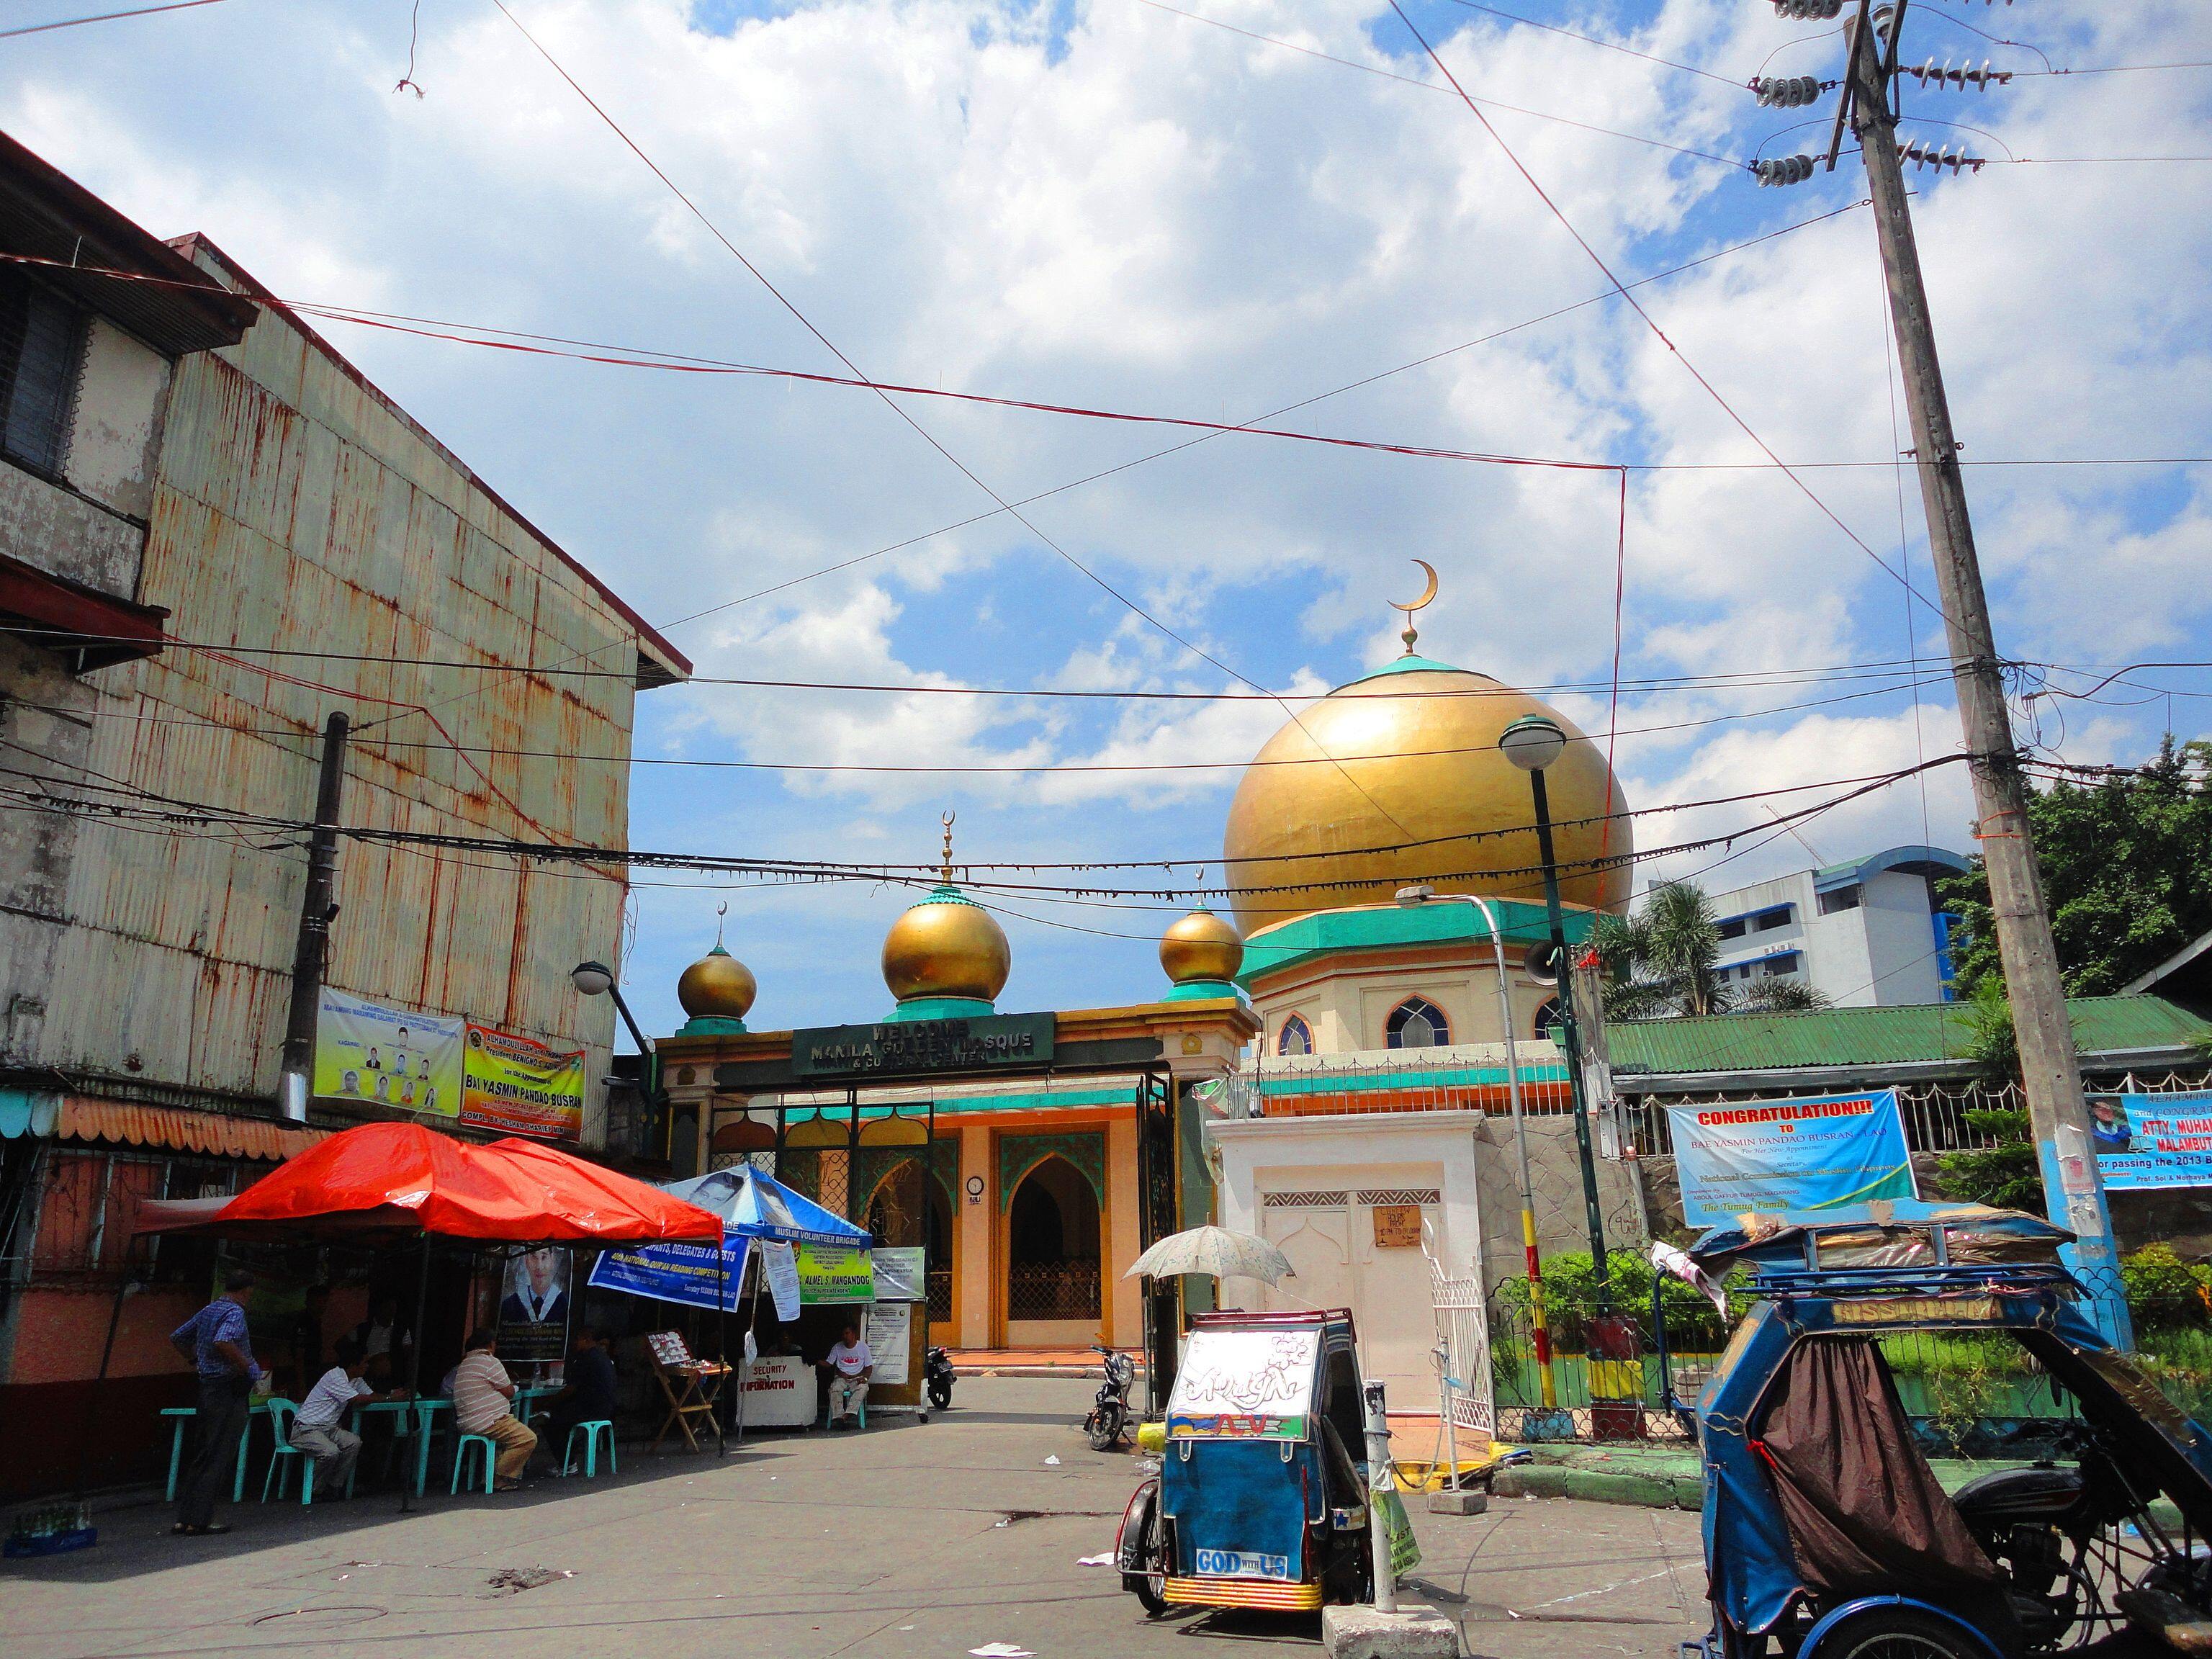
(481, 1394)
(214, 1340)
(850, 1366)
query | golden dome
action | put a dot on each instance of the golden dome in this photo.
(1201, 946)
(946, 946)
(717, 986)
(1394, 758)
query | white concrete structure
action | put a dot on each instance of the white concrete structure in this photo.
(1866, 934)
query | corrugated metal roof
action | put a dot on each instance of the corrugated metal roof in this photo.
(1874, 1036)
(216, 1134)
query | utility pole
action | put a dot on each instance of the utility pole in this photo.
(317, 908)
(2050, 1074)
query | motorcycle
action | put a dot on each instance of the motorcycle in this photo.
(1110, 1411)
(937, 1378)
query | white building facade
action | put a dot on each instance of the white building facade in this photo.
(1869, 933)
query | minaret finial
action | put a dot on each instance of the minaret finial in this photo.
(1409, 606)
(944, 873)
(720, 911)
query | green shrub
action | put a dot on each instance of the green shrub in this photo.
(2155, 1274)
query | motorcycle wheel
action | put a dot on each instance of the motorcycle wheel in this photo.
(941, 1392)
(1150, 1587)
(1895, 1633)
(1103, 1427)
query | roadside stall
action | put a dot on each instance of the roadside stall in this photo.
(793, 1272)
(384, 1187)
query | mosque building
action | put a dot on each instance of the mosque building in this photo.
(1328, 1070)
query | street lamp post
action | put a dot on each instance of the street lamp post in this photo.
(596, 979)
(1413, 897)
(1533, 742)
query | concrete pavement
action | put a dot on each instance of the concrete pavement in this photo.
(907, 1540)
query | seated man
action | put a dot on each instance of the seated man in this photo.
(317, 1431)
(589, 1393)
(850, 1364)
(481, 1394)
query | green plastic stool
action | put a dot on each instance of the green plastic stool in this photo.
(490, 1449)
(590, 1430)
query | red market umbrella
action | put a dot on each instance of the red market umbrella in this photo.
(401, 1179)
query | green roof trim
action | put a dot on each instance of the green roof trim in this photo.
(1318, 1082)
(959, 1105)
(1408, 664)
(1914, 1033)
(915, 1008)
(1441, 921)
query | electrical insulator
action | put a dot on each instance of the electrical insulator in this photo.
(1981, 79)
(1783, 169)
(1820, 11)
(1787, 91)
(1922, 155)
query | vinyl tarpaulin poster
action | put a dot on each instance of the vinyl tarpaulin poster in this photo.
(365, 1051)
(688, 1274)
(534, 1314)
(831, 1273)
(1810, 1152)
(2152, 1141)
(519, 1086)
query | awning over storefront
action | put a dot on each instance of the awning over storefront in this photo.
(95, 629)
(49, 1114)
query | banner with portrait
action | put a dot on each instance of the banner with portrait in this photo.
(518, 1086)
(2145, 1142)
(368, 1052)
(533, 1307)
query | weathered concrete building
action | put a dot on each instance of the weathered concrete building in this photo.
(214, 532)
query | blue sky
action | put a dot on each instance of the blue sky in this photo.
(1112, 204)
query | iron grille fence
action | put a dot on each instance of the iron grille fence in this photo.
(1053, 1290)
(940, 1294)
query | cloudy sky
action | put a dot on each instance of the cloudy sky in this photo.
(1217, 210)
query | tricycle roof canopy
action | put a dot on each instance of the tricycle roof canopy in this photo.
(397, 1180)
(1896, 1233)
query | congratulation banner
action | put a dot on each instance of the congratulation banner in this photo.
(688, 1274)
(1818, 1152)
(519, 1085)
(2152, 1141)
(367, 1052)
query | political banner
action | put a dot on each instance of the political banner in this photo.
(369, 1054)
(518, 1085)
(687, 1274)
(534, 1314)
(2149, 1141)
(1809, 1153)
(831, 1273)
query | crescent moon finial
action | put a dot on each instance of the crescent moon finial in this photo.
(720, 911)
(944, 871)
(1409, 606)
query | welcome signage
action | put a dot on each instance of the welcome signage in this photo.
(1812, 1152)
(903, 1049)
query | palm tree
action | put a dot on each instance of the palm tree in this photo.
(1662, 960)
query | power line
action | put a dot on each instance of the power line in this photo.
(103, 17)
(1592, 39)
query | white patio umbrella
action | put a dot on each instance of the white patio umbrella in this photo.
(1216, 1252)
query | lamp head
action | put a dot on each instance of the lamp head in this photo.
(1410, 897)
(591, 979)
(1533, 742)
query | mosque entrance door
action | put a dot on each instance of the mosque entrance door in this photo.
(1053, 1251)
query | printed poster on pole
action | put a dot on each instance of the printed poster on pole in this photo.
(1807, 1152)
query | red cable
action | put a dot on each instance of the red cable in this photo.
(1620, 594)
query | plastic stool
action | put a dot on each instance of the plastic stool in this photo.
(461, 1457)
(591, 1432)
(282, 1414)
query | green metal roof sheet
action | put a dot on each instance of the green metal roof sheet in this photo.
(1445, 920)
(1874, 1036)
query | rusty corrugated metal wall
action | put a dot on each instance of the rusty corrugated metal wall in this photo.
(297, 508)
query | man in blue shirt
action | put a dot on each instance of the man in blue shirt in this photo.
(214, 1340)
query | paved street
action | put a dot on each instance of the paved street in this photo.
(908, 1540)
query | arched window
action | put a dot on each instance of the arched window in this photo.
(1547, 1016)
(1416, 1023)
(1295, 1038)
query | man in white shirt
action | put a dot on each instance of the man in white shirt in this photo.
(316, 1431)
(481, 1395)
(850, 1364)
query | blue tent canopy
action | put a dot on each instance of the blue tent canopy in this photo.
(752, 1206)
(755, 1206)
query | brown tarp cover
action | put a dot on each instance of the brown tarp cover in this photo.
(1865, 1513)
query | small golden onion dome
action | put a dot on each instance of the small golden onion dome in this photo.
(717, 986)
(946, 946)
(1201, 946)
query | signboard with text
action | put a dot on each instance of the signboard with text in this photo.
(370, 1053)
(903, 1048)
(2149, 1141)
(518, 1085)
(1813, 1153)
(694, 1275)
